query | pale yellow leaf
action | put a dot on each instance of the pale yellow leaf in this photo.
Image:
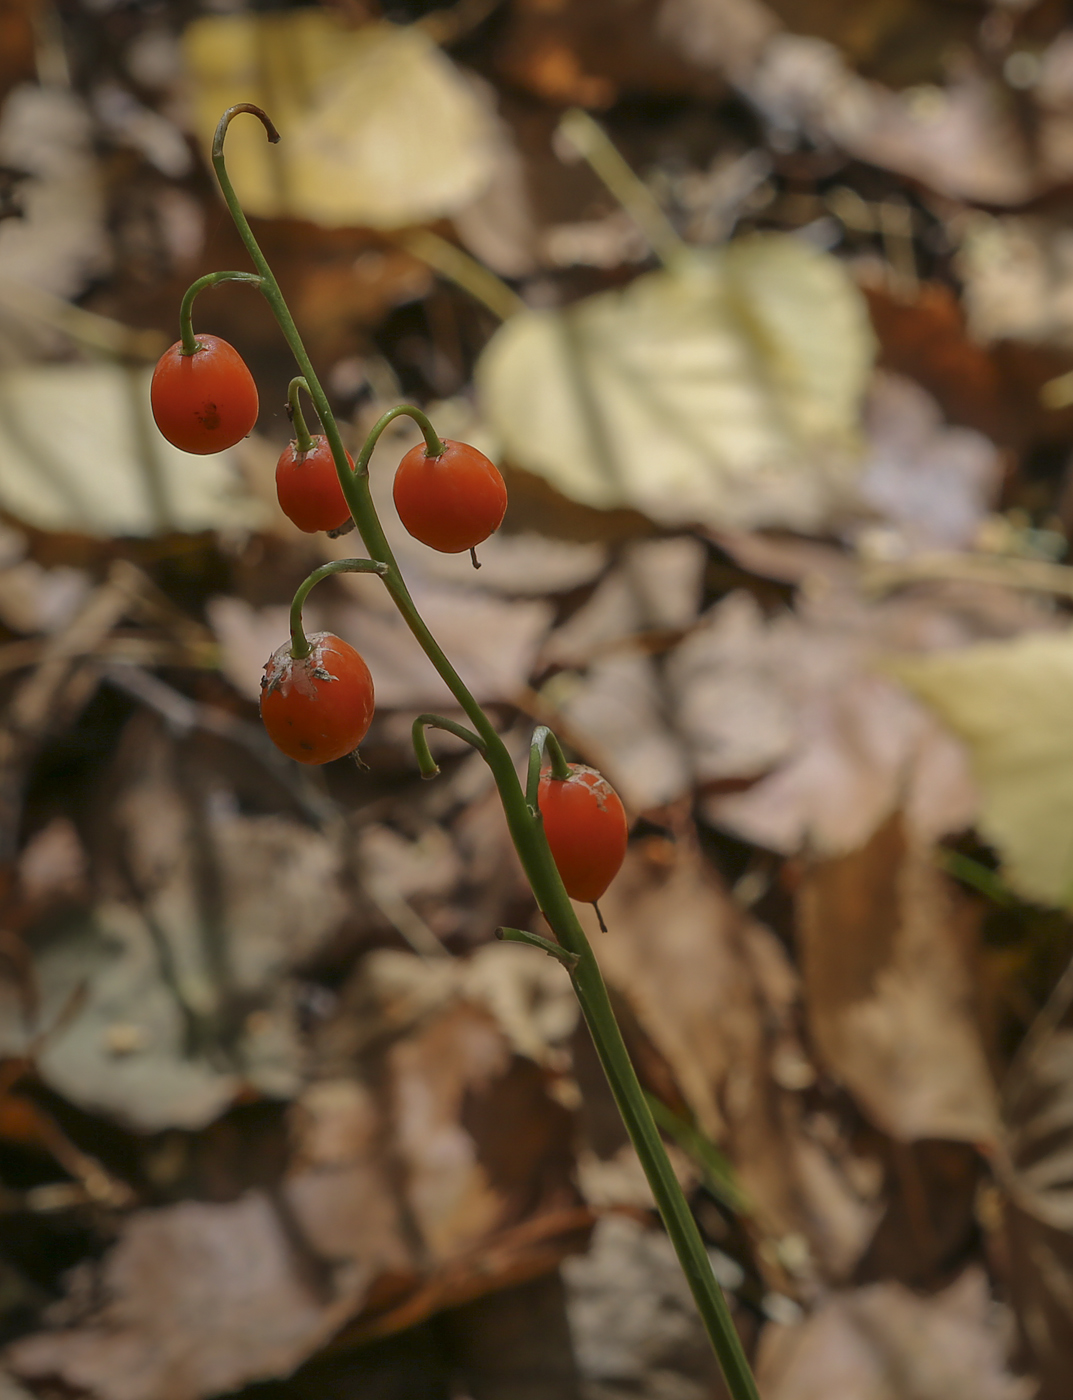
(1012, 703)
(725, 389)
(379, 128)
(79, 451)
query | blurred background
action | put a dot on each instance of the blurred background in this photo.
(766, 312)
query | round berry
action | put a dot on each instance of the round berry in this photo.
(307, 486)
(451, 502)
(318, 707)
(586, 827)
(206, 401)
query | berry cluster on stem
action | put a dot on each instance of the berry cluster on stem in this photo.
(567, 824)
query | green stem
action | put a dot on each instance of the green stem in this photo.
(428, 765)
(718, 1173)
(299, 644)
(526, 832)
(186, 309)
(534, 940)
(593, 143)
(434, 447)
(542, 736)
(473, 277)
(302, 441)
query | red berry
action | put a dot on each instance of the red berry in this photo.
(308, 489)
(206, 401)
(450, 502)
(586, 827)
(317, 708)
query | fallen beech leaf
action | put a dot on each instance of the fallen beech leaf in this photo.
(924, 337)
(796, 702)
(186, 996)
(530, 999)
(958, 139)
(961, 139)
(1018, 279)
(450, 1180)
(390, 133)
(619, 710)
(716, 996)
(200, 1299)
(634, 1324)
(724, 389)
(61, 242)
(53, 864)
(655, 587)
(1010, 702)
(33, 599)
(493, 642)
(885, 1343)
(145, 1079)
(1038, 1214)
(278, 883)
(587, 54)
(884, 940)
(934, 483)
(81, 453)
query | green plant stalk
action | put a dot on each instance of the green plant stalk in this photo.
(543, 738)
(186, 310)
(525, 828)
(425, 762)
(303, 442)
(299, 643)
(592, 142)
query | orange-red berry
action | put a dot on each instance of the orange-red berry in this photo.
(586, 827)
(451, 502)
(320, 706)
(307, 487)
(206, 401)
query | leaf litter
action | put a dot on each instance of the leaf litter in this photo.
(271, 1095)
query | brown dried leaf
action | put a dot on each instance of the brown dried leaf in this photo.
(492, 642)
(884, 1343)
(796, 702)
(933, 483)
(206, 912)
(635, 1326)
(885, 943)
(277, 883)
(123, 1052)
(61, 243)
(716, 996)
(451, 1179)
(618, 713)
(199, 1299)
(583, 54)
(1037, 1177)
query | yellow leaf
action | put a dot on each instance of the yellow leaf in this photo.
(379, 128)
(1012, 704)
(724, 389)
(79, 451)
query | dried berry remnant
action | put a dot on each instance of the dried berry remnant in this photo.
(586, 827)
(317, 707)
(308, 489)
(451, 502)
(206, 401)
